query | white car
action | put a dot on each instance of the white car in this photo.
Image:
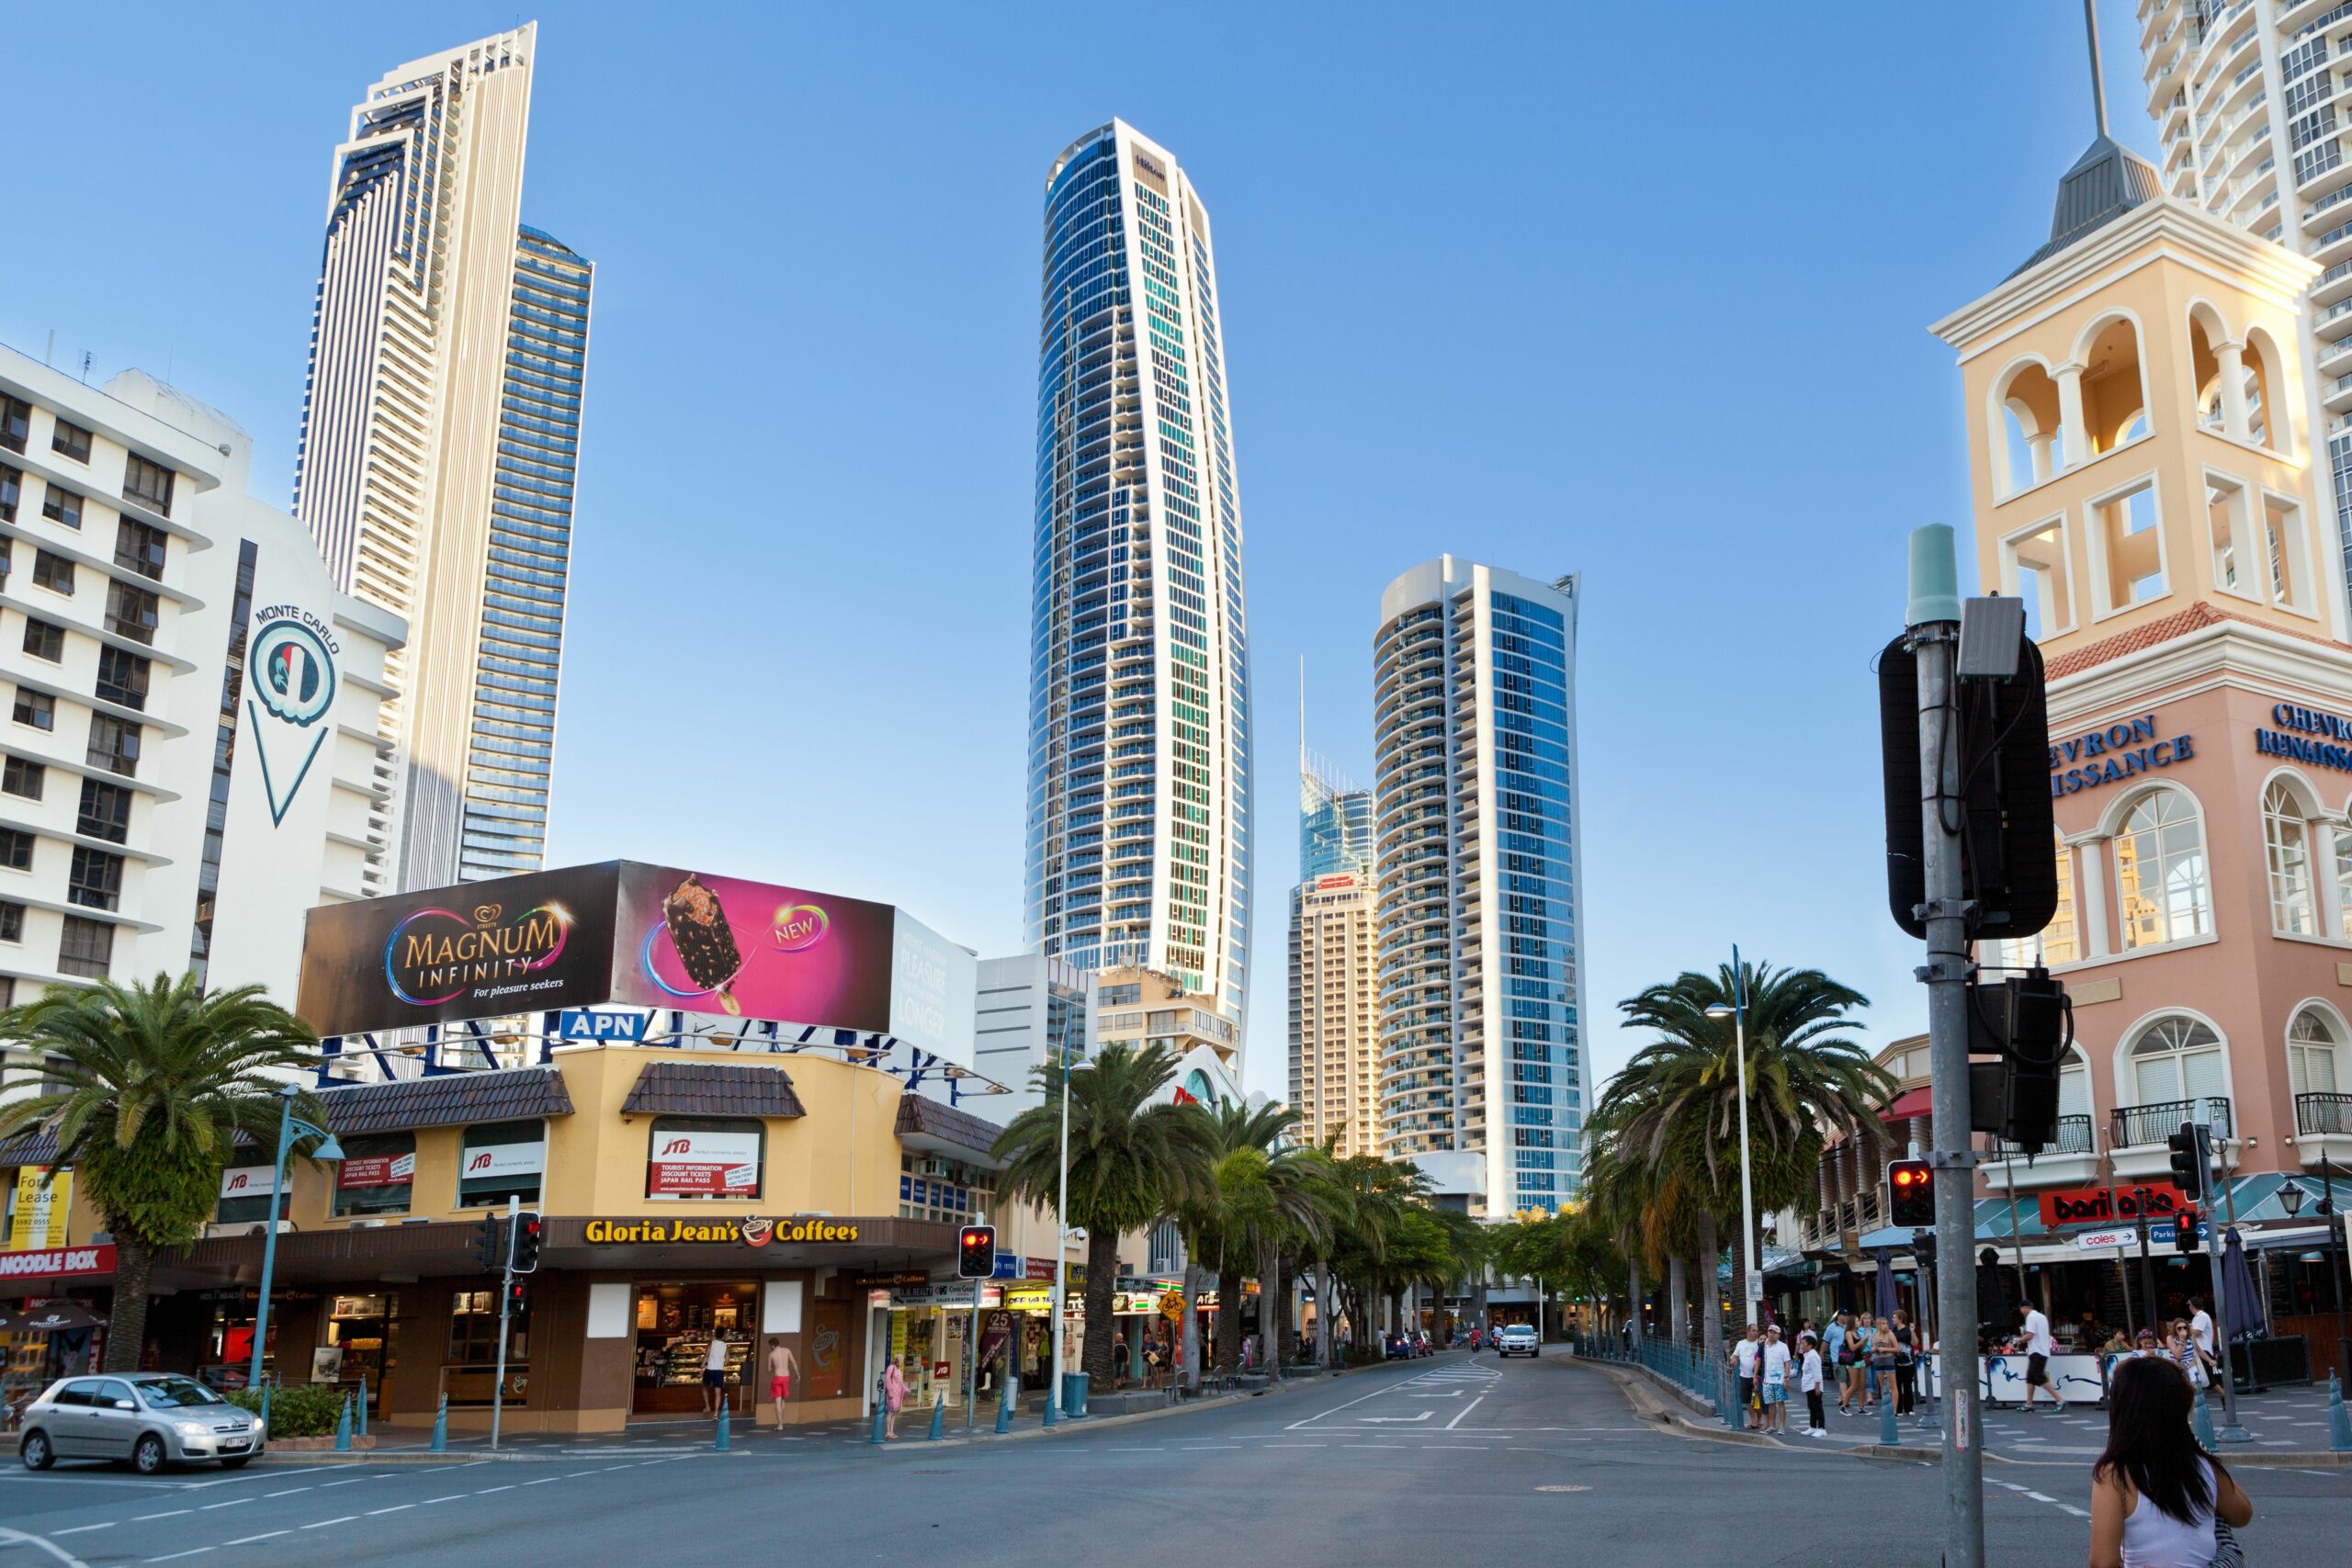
(1519, 1340)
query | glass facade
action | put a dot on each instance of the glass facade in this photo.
(1138, 847)
(1334, 825)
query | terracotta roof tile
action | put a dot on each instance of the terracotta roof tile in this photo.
(446, 1099)
(714, 1088)
(2198, 616)
(918, 1114)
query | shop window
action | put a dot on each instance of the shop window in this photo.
(675, 1327)
(473, 1330)
(2128, 547)
(244, 1196)
(705, 1156)
(2165, 893)
(502, 1160)
(2312, 1043)
(2039, 573)
(2286, 839)
(378, 1175)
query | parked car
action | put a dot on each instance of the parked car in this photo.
(1518, 1340)
(152, 1419)
(1396, 1348)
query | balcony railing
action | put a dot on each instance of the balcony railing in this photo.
(2316, 1114)
(2073, 1137)
(2137, 1125)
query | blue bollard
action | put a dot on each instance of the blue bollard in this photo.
(265, 1410)
(938, 1418)
(363, 1404)
(2201, 1422)
(2339, 1422)
(441, 1427)
(726, 1423)
(1004, 1410)
(1887, 1435)
(878, 1440)
(342, 1427)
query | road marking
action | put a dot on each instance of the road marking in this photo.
(488, 1490)
(1293, 1445)
(232, 1503)
(170, 1556)
(1372, 1445)
(543, 1480)
(249, 1539)
(84, 1529)
(574, 1475)
(1450, 1425)
(347, 1481)
(340, 1519)
(393, 1509)
(288, 1492)
(167, 1514)
(452, 1497)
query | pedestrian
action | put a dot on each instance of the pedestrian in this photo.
(2200, 1333)
(1774, 1391)
(1743, 1354)
(781, 1366)
(1905, 1358)
(2038, 1347)
(2181, 1349)
(893, 1395)
(1809, 1381)
(2158, 1499)
(1858, 1366)
(1118, 1355)
(1882, 1349)
(714, 1377)
(1833, 1355)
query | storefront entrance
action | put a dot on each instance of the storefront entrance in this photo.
(675, 1325)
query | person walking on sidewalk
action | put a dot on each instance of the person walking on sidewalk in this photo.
(714, 1377)
(2158, 1499)
(1809, 1381)
(781, 1366)
(2038, 1347)
(1745, 1352)
(893, 1395)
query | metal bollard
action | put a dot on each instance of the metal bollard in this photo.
(938, 1418)
(363, 1404)
(878, 1413)
(265, 1410)
(342, 1427)
(726, 1423)
(1887, 1435)
(2339, 1422)
(1731, 1400)
(441, 1426)
(1004, 1410)
(2201, 1422)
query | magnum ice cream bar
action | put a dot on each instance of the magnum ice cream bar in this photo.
(704, 941)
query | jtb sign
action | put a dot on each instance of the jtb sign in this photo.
(579, 1024)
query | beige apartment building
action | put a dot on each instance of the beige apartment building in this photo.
(1335, 1013)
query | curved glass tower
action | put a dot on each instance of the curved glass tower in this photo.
(1138, 814)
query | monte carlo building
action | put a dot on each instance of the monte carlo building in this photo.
(2143, 461)
(1138, 845)
(1334, 1004)
(440, 445)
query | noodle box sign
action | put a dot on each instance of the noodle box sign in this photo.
(746, 1230)
(58, 1262)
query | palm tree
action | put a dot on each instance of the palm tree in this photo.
(1671, 1117)
(1373, 1195)
(1133, 1157)
(1264, 1191)
(153, 1084)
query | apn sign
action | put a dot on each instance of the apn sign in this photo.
(583, 1024)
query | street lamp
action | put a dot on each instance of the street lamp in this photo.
(2291, 1197)
(1061, 1257)
(1737, 1010)
(289, 1124)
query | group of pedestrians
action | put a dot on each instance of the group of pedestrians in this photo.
(1765, 1366)
(1867, 1360)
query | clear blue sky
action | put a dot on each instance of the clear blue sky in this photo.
(1550, 287)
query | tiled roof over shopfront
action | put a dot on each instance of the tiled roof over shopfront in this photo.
(713, 1089)
(446, 1099)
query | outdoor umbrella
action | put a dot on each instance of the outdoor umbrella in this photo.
(8, 1320)
(2248, 1313)
(1885, 1282)
(50, 1317)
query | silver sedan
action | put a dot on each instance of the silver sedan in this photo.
(150, 1419)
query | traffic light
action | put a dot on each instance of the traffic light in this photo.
(529, 1227)
(489, 1248)
(518, 1298)
(1913, 1186)
(2184, 1234)
(976, 1253)
(2042, 1026)
(2189, 1159)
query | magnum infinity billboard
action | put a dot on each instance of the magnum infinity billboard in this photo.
(634, 935)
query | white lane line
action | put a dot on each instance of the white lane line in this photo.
(452, 1497)
(488, 1490)
(1372, 1445)
(1293, 1445)
(84, 1529)
(543, 1480)
(347, 1481)
(339, 1520)
(172, 1556)
(393, 1509)
(288, 1492)
(166, 1514)
(208, 1508)
(249, 1539)
(2078, 1512)
(573, 1476)
(1450, 1425)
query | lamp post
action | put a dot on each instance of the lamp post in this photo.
(1737, 1010)
(1061, 1254)
(289, 1124)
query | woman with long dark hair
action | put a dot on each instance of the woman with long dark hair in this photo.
(2155, 1493)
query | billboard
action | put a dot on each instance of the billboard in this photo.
(626, 934)
(483, 950)
(703, 1165)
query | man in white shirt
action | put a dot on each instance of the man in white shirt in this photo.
(2038, 1348)
(1775, 1363)
(2201, 1329)
(1743, 1357)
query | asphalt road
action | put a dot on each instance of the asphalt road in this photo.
(1439, 1463)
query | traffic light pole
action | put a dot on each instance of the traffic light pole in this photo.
(2231, 1430)
(1934, 637)
(505, 1299)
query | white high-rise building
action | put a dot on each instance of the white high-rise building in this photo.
(2253, 106)
(1138, 848)
(1477, 821)
(440, 438)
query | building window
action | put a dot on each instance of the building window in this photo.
(12, 490)
(61, 505)
(38, 709)
(44, 639)
(12, 922)
(123, 678)
(132, 611)
(503, 1160)
(473, 1329)
(22, 775)
(378, 1174)
(2286, 843)
(15, 848)
(2177, 1059)
(2236, 568)
(104, 812)
(148, 483)
(2160, 872)
(139, 547)
(2128, 548)
(224, 757)
(244, 1195)
(2055, 943)
(2311, 1043)
(2040, 574)
(52, 572)
(72, 440)
(85, 948)
(114, 745)
(95, 880)
(16, 422)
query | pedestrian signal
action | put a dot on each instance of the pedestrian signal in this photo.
(1912, 1185)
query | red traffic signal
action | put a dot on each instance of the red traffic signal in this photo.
(2184, 1234)
(530, 1230)
(518, 1298)
(1911, 1187)
(976, 1253)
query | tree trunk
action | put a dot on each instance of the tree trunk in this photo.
(1192, 1343)
(1710, 1316)
(1479, 1299)
(1677, 1287)
(1229, 1319)
(1285, 1326)
(1323, 1305)
(127, 1326)
(1096, 1357)
(1633, 1294)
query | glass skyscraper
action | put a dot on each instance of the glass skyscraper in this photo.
(1138, 833)
(1334, 824)
(1481, 978)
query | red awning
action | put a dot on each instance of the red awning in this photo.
(1909, 1104)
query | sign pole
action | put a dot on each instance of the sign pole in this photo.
(505, 1295)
